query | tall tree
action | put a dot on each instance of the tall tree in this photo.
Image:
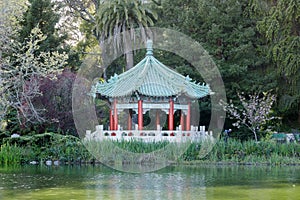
(10, 14)
(20, 76)
(23, 59)
(116, 16)
(280, 25)
(9, 26)
(110, 18)
(42, 13)
(227, 30)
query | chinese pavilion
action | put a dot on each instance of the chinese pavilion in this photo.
(150, 85)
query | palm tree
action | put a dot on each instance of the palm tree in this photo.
(117, 16)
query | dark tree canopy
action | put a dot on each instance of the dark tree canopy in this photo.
(42, 13)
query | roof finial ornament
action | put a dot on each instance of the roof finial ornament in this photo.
(149, 48)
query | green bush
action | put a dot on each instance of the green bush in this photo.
(49, 146)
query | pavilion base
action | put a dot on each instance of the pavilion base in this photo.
(193, 135)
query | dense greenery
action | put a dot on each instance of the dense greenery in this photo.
(255, 44)
(69, 149)
(43, 147)
(248, 152)
(42, 14)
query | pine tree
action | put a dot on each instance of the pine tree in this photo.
(42, 13)
(280, 25)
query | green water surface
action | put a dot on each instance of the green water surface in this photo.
(190, 182)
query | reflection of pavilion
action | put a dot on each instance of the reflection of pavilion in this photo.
(150, 85)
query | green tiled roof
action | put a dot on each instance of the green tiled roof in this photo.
(151, 78)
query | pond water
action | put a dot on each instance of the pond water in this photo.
(174, 182)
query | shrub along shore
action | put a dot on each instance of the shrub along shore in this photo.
(67, 149)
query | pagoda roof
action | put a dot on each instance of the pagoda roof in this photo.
(150, 77)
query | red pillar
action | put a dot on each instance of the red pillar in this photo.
(129, 123)
(182, 120)
(188, 117)
(111, 120)
(115, 115)
(140, 115)
(171, 115)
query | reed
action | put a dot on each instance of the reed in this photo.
(136, 151)
(266, 152)
(53, 146)
(10, 154)
(47, 146)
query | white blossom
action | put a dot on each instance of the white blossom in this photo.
(254, 114)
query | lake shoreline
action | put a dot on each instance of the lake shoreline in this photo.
(58, 149)
(181, 163)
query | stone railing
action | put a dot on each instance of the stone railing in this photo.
(149, 135)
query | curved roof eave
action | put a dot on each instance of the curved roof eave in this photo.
(150, 77)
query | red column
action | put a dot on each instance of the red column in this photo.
(182, 120)
(188, 117)
(129, 123)
(115, 115)
(111, 120)
(140, 115)
(171, 115)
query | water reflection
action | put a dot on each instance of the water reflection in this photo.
(100, 182)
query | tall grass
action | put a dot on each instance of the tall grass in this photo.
(70, 149)
(138, 146)
(10, 154)
(251, 152)
(135, 151)
(233, 151)
(42, 147)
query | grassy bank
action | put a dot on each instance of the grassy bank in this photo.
(247, 152)
(70, 149)
(232, 151)
(42, 147)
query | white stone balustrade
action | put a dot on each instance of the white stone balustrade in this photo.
(150, 135)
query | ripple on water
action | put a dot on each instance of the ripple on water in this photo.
(170, 183)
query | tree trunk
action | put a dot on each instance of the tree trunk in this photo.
(128, 51)
(129, 60)
(104, 60)
(255, 136)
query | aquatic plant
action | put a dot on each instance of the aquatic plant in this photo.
(10, 154)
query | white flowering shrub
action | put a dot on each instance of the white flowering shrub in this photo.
(20, 74)
(255, 112)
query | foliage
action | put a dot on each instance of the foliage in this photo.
(20, 74)
(254, 113)
(10, 154)
(116, 17)
(10, 13)
(135, 151)
(279, 25)
(57, 100)
(140, 146)
(46, 146)
(45, 14)
(85, 9)
(41, 13)
(247, 152)
(255, 45)
(227, 30)
(51, 146)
